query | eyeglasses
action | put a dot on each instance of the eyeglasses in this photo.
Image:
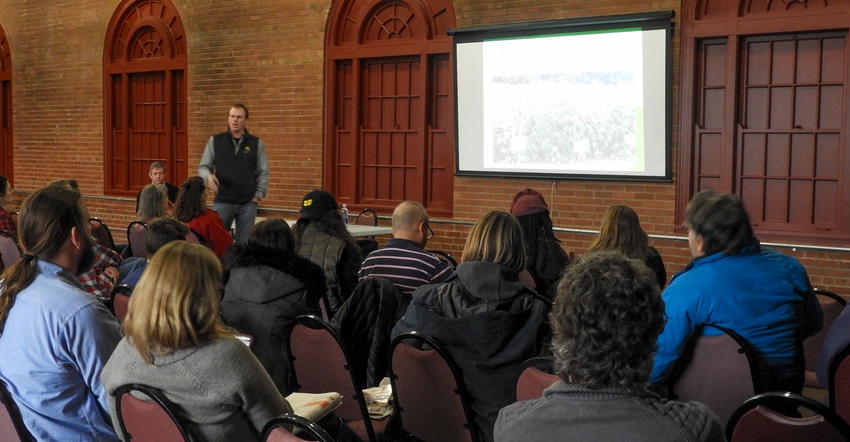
(430, 231)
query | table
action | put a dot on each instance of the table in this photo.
(356, 230)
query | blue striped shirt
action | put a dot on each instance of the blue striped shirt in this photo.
(406, 265)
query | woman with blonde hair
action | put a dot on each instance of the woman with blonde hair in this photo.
(153, 203)
(484, 316)
(175, 342)
(621, 232)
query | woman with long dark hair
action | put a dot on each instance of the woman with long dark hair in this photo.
(191, 208)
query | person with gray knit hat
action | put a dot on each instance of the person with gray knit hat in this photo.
(322, 237)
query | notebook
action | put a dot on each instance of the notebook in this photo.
(314, 406)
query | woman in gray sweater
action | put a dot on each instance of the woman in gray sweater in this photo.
(175, 342)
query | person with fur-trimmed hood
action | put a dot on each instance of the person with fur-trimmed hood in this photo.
(267, 288)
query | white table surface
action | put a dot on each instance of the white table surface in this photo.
(354, 229)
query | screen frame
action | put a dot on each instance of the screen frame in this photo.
(659, 20)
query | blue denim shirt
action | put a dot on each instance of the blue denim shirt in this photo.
(56, 340)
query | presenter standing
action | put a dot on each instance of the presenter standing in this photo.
(236, 169)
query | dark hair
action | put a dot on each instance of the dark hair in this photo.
(607, 317)
(162, 231)
(191, 199)
(330, 223)
(44, 224)
(241, 106)
(3, 183)
(620, 231)
(722, 221)
(63, 182)
(274, 234)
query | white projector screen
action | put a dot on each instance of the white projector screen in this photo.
(575, 99)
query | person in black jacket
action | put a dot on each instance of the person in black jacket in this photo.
(267, 288)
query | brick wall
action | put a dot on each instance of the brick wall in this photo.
(269, 55)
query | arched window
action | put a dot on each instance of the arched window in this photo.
(390, 100)
(145, 116)
(5, 107)
(765, 93)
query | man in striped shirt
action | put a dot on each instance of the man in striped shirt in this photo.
(403, 259)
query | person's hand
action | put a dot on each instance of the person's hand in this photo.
(256, 200)
(212, 182)
(111, 273)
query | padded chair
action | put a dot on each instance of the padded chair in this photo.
(101, 233)
(756, 420)
(275, 430)
(831, 304)
(445, 256)
(537, 375)
(12, 428)
(151, 419)
(119, 301)
(839, 384)
(320, 362)
(428, 390)
(10, 252)
(136, 239)
(719, 371)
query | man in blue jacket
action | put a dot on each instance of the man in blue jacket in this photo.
(736, 284)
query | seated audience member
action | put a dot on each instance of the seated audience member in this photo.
(621, 232)
(191, 209)
(6, 222)
(268, 287)
(607, 316)
(160, 232)
(736, 284)
(321, 236)
(108, 267)
(156, 172)
(547, 261)
(152, 203)
(55, 338)
(174, 342)
(484, 316)
(837, 339)
(402, 260)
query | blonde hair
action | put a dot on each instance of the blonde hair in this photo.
(496, 237)
(175, 304)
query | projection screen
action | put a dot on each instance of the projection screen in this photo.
(571, 99)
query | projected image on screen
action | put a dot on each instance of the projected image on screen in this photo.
(530, 98)
(586, 103)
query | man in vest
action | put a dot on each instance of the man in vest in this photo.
(236, 169)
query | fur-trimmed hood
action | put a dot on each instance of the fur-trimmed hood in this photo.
(299, 269)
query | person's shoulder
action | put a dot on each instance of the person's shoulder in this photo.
(691, 417)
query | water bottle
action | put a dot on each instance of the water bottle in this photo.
(344, 213)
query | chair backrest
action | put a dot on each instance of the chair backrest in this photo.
(193, 237)
(445, 256)
(428, 390)
(10, 252)
(831, 304)
(153, 418)
(536, 376)
(839, 384)
(719, 371)
(120, 300)
(101, 233)
(320, 362)
(136, 239)
(756, 420)
(275, 430)
(367, 217)
(12, 426)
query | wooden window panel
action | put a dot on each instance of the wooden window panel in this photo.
(6, 141)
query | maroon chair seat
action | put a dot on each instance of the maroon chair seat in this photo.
(831, 304)
(136, 239)
(535, 377)
(12, 428)
(153, 418)
(756, 420)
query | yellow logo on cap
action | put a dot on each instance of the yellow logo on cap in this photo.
(308, 202)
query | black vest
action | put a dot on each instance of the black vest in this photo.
(236, 172)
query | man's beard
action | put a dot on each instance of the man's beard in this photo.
(86, 260)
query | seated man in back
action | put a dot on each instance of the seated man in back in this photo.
(402, 260)
(156, 172)
(607, 314)
(161, 231)
(736, 284)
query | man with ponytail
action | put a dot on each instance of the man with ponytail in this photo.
(54, 337)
